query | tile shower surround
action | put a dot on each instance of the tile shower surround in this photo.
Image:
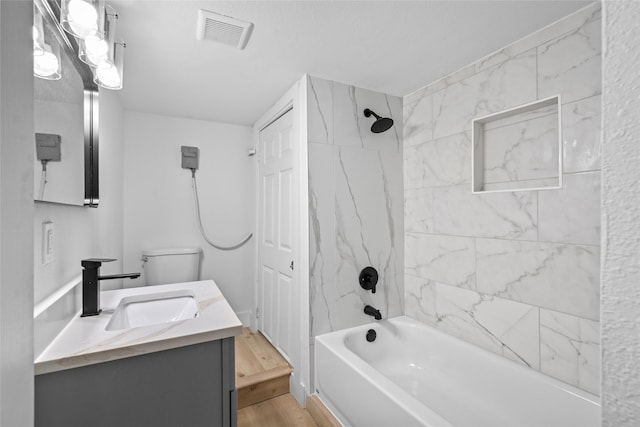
(514, 272)
(355, 204)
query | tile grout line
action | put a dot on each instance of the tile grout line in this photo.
(503, 239)
(555, 310)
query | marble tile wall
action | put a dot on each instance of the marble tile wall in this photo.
(355, 204)
(514, 272)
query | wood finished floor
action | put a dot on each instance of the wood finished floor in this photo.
(255, 355)
(281, 411)
(262, 376)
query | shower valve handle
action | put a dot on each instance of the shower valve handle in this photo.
(368, 279)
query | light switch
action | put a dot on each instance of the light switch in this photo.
(47, 242)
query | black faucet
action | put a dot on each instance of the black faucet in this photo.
(368, 279)
(91, 286)
(372, 311)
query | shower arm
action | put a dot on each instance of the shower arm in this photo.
(368, 113)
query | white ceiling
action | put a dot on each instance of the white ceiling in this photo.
(394, 47)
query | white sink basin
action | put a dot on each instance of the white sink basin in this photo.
(151, 309)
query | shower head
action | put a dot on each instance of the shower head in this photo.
(381, 124)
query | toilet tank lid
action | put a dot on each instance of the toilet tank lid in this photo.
(170, 251)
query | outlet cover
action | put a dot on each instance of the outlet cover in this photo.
(47, 242)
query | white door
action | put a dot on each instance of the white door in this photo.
(277, 246)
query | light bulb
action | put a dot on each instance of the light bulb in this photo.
(109, 77)
(45, 64)
(37, 49)
(83, 18)
(96, 50)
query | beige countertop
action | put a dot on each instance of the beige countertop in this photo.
(85, 341)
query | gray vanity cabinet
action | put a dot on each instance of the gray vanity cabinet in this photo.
(185, 386)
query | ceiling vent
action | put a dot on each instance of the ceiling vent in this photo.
(223, 29)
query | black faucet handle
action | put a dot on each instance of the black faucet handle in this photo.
(368, 279)
(372, 311)
(95, 262)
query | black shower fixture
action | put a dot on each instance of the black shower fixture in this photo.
(381, 124)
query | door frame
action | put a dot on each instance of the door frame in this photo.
(296, 98)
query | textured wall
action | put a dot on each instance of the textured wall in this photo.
(621, 215)
(355, 204)
(514, 272)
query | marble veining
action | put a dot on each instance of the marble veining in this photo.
(420, 299)
(350, 126)
(418, 210)
(496, 324)
(543, 35)
(514, 272)
(555, 276)
(444, 259)
(418, 121)
(510, 84)
(356, 202)
(570, 349)
(581, 135)
(320, 111)
(85, 340)
(506, 215)
(443, 161)
(365, 201)
(572, 214)
(322, 224)
(523, 151)
(571, 64)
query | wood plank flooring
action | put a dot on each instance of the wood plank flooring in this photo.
(281, 411)
(261, 372)
(262, 382)
(320, 414)
(254, 354)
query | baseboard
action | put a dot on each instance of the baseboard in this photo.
(245, 318)
(320, 413)
(297, 389)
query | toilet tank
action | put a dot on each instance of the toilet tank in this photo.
(176, 265)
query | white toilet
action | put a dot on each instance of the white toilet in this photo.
(174, 265)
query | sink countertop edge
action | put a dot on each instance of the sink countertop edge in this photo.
(85, 341)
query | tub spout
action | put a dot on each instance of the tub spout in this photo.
(372, 311)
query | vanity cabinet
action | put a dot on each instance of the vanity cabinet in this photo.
(193, 386)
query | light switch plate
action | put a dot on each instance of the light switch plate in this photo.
(47, 242)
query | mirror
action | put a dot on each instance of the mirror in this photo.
(65, 119)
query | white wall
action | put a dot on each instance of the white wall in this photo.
(16, 213)
(108, 222)
(82, 232)
(621, 215)
(65, 179)
(158, 205)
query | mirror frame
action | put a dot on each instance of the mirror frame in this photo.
(50, 10)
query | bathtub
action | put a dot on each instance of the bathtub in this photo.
(415, 375)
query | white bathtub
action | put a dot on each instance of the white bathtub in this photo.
(415, 375)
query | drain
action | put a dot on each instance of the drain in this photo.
(371, 335)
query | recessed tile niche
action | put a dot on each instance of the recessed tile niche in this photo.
(518, 149)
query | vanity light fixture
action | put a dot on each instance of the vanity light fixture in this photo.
(47, 65)
(36, 32)
(94, 49)
(46, 56)
(80, 17)
(110, 75)
(93, 23)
